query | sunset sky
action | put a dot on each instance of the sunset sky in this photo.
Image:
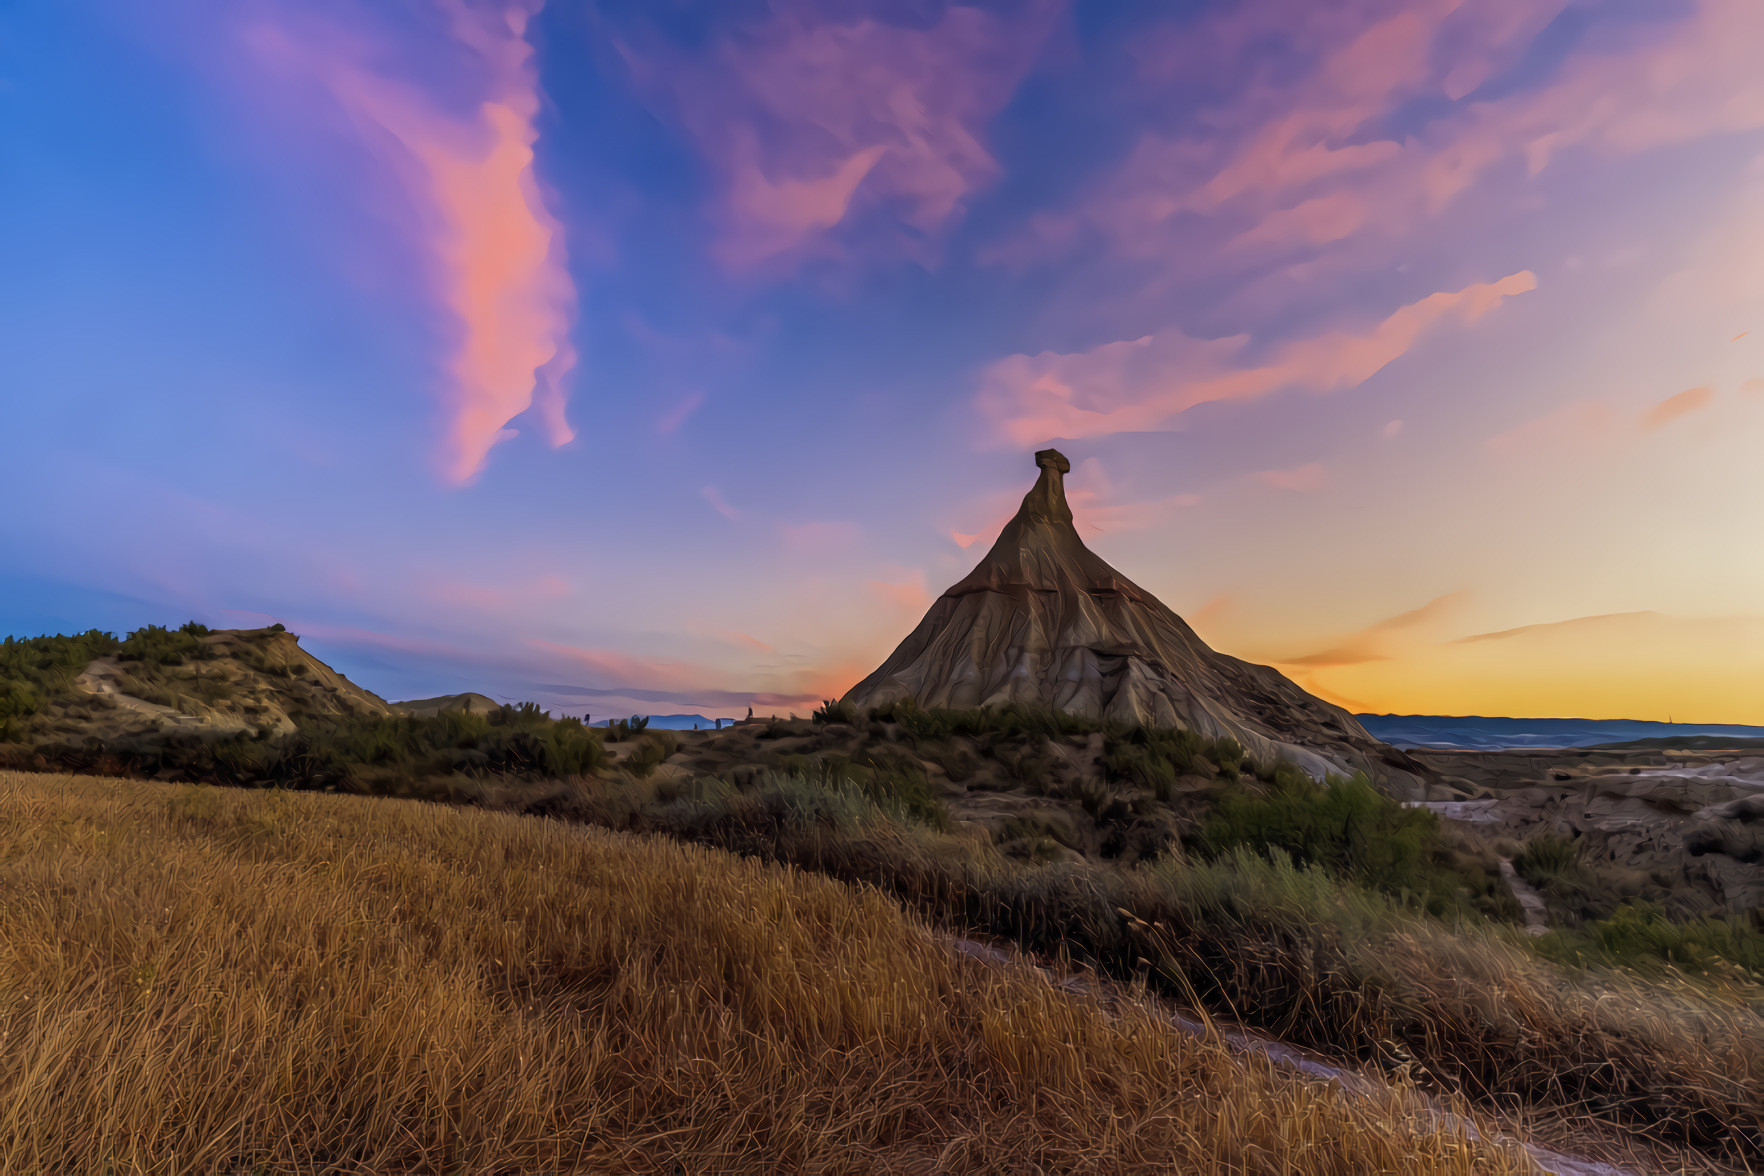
(655, 357)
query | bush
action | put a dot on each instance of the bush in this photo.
(1547, 858)
(1640, 935)
(1347, 828)
(383, 753)
(155, 645)
(651, 751)
(47, 666)
(835, 712)
(1010, 723)
(896, 783)
(621, 730)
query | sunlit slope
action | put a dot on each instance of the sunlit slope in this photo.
(228, 980)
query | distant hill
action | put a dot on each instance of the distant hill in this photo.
(1487, 733)
(668, 722)
(470, 703)
(94, 685)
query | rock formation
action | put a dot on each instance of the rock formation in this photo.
(1044, 622)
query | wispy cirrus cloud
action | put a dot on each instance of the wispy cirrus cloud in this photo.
(1373, 643)
(1682, 404)
(816, 121)
(1305, 479)
(714, 497)
(1591, 425)
(1305, 155)
(462, 151)
(1362, 123)
(1140, 384)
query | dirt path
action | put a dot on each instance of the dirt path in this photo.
(1530, 901)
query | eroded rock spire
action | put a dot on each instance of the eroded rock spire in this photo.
(1044, 622)
(1047, 498)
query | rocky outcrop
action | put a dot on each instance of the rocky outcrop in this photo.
(238, 680)
(1045, 622)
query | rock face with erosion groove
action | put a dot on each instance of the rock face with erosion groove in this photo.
(1044, 622)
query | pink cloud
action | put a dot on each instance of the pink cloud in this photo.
(1105, 518)
(1303, 160)
(1306, 479)
(1298, 160)
(910, 596)
(1372, 643)
(711, 495)
(1140, 384)
(1214, 611)
(496, 251)
(1097, 507)
(1754, 384)
(815, 123)
(1673, 407)
(677, 415)
(628, 669)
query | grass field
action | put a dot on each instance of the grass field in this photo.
(209, 980)
(1467, 1006)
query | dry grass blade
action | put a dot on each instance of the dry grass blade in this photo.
(204, 981)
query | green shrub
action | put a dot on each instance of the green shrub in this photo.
(1013, 723)
(37, 669)
(1346, 827)
(895, 782)
(371, 753)
(835, 712)
(1546, 858)
(17, 699)
(155, 645)
(1153, 757)
(1640, 935)
(1140, 765)
(650, 752)
(621, 730)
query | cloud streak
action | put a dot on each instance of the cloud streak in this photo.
(1673, 407)
(817, 123)
(1141, 384)
(494, 249)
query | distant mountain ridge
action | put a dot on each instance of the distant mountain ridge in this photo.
(1492, 732)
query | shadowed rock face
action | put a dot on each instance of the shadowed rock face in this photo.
(1044, 622)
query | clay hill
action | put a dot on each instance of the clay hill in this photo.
(159, 682)
(207, 683)
(1045, 622)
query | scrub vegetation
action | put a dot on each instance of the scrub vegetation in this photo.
(222, 980)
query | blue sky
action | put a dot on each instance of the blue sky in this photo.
(673, 357)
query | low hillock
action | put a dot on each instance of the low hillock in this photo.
(96, 686)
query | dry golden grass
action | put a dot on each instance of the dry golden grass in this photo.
(1651, 1065)
(198, 980)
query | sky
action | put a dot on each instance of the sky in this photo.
(656, 357)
